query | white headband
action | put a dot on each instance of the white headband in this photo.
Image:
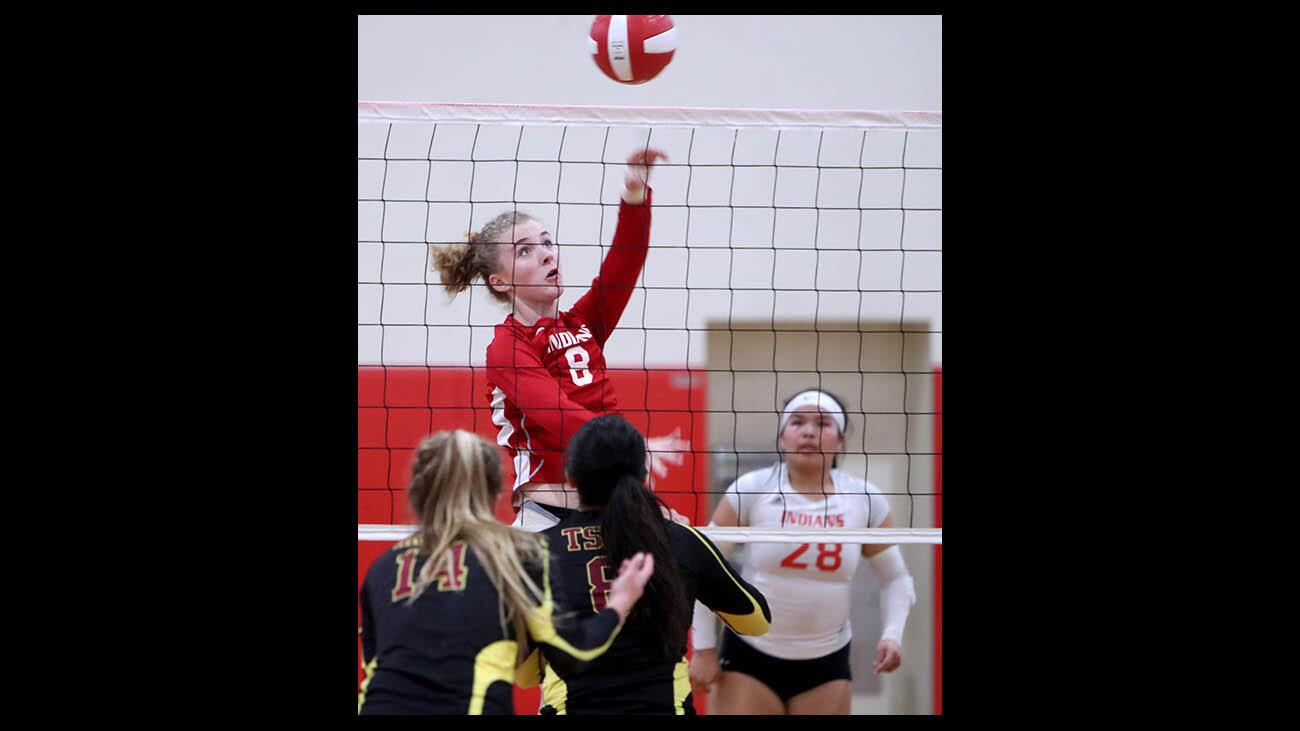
(816, 398)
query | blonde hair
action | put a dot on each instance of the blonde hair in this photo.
(459, 264)
(454, 484)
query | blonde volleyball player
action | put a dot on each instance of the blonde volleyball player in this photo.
(448, 613)
(546, 368)
(801, 666)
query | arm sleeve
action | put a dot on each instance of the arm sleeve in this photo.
(575, 642)
(517, 370)
(741, 606)
(603, 304)
(897, 591)
(704, 625)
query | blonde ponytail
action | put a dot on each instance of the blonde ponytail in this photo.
(454, 485)
(460, 264)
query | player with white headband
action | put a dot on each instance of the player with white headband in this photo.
(801, 666)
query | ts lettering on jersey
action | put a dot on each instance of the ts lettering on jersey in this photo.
(585, 538)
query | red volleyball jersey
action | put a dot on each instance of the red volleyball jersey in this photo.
(546, 381)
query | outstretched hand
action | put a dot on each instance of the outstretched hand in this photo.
(638, 172)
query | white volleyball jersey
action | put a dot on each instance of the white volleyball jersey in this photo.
(808, 586)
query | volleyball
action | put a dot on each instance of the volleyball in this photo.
(632, 49)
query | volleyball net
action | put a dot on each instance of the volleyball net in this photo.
(790, 249)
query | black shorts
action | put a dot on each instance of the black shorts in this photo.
(786, 678)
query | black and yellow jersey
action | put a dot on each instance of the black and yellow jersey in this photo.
(632, 677)
(446, 652)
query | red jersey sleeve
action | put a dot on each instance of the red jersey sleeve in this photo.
(603, 305)
(516, 368)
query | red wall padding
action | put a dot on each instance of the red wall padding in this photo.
(400, 405)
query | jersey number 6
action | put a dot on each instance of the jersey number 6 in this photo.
(578, 363)
(598, 582)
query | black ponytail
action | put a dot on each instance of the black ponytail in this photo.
(606, 462)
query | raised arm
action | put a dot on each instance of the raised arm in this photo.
(603, 304)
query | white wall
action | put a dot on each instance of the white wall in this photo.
(758, 61)
(847, 62)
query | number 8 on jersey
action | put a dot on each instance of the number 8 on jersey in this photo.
(578, 363)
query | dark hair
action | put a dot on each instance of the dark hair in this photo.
(835, 461)
(606, 462)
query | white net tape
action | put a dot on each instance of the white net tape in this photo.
(736, 535)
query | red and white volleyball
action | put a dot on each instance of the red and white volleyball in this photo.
(632, 49)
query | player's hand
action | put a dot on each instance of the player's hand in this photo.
(704, 670)
(638, 172)
(888, 657)
(633, 574)
(664, 451)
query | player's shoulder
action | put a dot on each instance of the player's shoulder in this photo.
(572, 317)
(406, 544)
(500, 347)
(504, 336)
(385, 564)
(760, 480)
(510, 330)
(566, 518)
(852, 484)
(683, 537)
(869, 498)
(679, 530)
(411, 541)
